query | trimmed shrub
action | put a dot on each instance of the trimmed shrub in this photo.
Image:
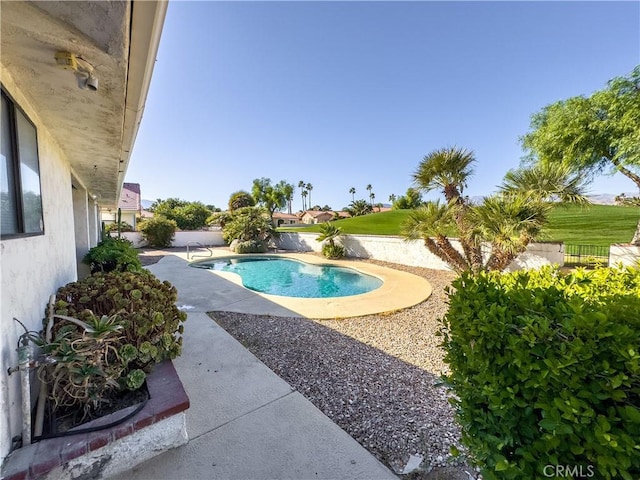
(113, 254)
(546, 371)
(158, 231)
(113, 227)
(251, 246)
(333, 250)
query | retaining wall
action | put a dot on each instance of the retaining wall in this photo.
(414, 253)
(627, 255)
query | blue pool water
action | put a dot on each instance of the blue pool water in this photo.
(292, 278)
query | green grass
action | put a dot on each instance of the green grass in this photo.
(595, 225)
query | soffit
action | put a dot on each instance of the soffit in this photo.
(87, 125)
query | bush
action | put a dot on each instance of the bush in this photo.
(158, 231)
(113, 227)
(144, 305)
(546, 370)
(248, 223)
(333, 250)
(251, 246)
(113, 254)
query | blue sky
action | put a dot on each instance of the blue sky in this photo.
(345, 94)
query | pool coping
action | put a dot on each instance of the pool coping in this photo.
(399, 290)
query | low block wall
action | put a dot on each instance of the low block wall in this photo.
(413, 253)
(209, 238)
(627, 255)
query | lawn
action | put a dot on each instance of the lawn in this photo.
(596, 225)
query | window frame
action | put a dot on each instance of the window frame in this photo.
(16, 164)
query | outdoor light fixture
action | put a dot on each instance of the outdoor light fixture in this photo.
(82, 69)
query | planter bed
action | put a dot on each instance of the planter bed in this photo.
(158, 427)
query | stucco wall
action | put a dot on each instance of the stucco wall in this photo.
(33, 268)
(414, 253)
(627, 255)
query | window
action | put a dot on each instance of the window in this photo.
(21, 212)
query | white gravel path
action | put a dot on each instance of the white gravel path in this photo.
(376, 376)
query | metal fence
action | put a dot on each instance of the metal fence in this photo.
(585, 255)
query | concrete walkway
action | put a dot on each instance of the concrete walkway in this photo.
(245, 422)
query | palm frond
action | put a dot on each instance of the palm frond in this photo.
(547, 182)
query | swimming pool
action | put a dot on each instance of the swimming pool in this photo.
(294, 278)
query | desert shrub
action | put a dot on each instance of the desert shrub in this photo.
(545, 368)
(158, 231)
(248, 223)
(251, 246)
(113, 254)
(333, 250)
(145, 306)
(113, 227)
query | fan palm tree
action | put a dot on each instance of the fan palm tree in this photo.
(329, 232)
(432, 223)
(506, 222)
(301, 186)
(545, 183)
(447, 169)
(288, 190)
(309, 187)
(304, 203)
(369, 187)
(352, 191)
(358, 208)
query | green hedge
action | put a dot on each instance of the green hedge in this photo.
(113, 254)
(546, 372)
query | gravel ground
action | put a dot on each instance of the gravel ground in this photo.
(376, 376)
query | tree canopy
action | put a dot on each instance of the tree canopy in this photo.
(271, 197)
(240, 199)
(187, 215)
(595, 134)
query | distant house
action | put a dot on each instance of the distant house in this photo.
(280, 219)
(317, 216)
(130, 206)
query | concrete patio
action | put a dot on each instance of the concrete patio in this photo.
(245, 422)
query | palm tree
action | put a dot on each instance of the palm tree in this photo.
(358, 208)
(508, 222)
(352, 191)
(449, 169)
(304, 203)
(301, 186)
(392, 198)
(432, 223)
(309, 188)
(329, 232)
(288, 190)
(369, 187)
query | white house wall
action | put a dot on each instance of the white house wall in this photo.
(33, 267)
